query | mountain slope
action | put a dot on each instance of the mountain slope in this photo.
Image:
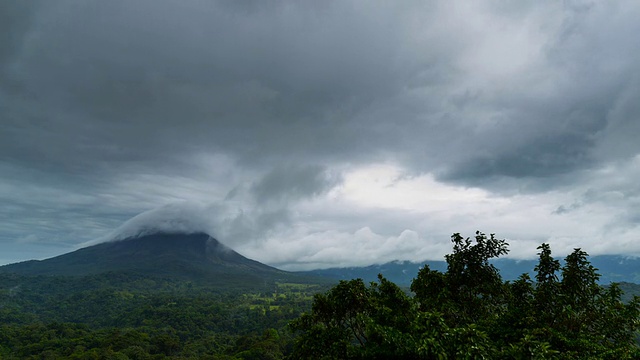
(189, 256)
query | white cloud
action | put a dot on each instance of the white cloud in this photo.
(182, 217)
(379, 214)
(300, 251)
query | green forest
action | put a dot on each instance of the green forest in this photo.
(469, 312)
(465, 312)
(114, 316)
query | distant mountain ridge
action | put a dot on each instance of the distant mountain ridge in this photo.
(612, 268)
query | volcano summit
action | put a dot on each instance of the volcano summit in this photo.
(194, 257)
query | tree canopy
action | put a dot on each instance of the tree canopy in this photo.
(469, 312)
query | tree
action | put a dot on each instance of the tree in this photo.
(472, 288)
(468, 312)
(336, 324)
(355, 321)
(547, 289)
(592, 319)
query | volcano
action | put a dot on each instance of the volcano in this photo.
(195, 256)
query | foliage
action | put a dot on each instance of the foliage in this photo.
(99, 317)
(469, 312)
(465, 312)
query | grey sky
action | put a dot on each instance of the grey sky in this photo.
(314, 134)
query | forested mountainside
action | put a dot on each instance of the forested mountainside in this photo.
(151, 297)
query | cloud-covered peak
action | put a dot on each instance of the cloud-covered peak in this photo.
(175, 218)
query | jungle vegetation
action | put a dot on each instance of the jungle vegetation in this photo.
(464, 312)
(469, 312)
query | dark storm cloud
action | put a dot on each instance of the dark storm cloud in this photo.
(552, 155)
(15, 21)
(590, 75)
(143, 83)
(121, 81)
(293, 182)
(109, 108)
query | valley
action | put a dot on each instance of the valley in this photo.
(114, 316)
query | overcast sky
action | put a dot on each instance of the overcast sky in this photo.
(308, 134)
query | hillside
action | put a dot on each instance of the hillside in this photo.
(157, 296)
(173, 256)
